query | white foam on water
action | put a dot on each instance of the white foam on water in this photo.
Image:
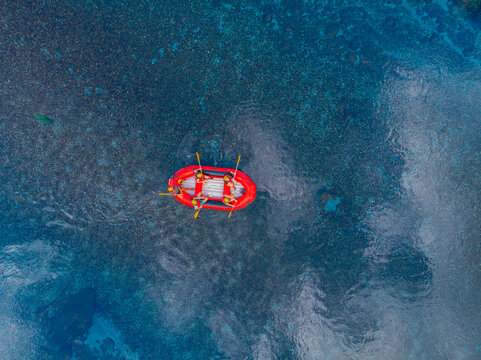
(272, 167)
(262, 349)
(434, 127)
(64, 224)
(22, 266)
(102, 329)
(226, 330)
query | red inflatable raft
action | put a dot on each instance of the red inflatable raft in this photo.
(214, 188)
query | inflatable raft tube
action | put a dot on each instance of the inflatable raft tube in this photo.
(215, 189)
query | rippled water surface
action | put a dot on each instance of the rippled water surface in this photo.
(359, 121)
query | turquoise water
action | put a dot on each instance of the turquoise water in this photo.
(358, 121)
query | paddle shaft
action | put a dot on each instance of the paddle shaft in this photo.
(238, 161)
(198, 159)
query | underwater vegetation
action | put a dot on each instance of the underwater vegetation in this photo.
(44, 119)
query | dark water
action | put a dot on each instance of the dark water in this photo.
(359, 122)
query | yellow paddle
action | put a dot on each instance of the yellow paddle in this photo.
(238, 161)
(164, 194)
(200, 167)
(197, 212)
(198, 159)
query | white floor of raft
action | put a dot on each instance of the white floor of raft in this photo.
(214, 188)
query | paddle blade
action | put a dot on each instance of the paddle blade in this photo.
(196, 214)
(163, 194)
(238, 161)
(230, 214)
(198, 157)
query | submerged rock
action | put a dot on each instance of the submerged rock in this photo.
(355, 43)
(267, 18)
(332, 30)
(68, 319)
(328, 200)
(390, 23)
(472, 8)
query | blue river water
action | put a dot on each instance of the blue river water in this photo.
(359, 121)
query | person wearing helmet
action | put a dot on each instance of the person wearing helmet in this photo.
(174, 191)
(229, 200)
(200, 177)
(199, 201)
(178, 190)
(182, 188)
(230, 181)
(195, 203)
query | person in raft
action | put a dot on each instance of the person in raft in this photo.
(178, 190)
(199, 201)
(200, 177)
(230, 181)
(229, 200)
(174, 191)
